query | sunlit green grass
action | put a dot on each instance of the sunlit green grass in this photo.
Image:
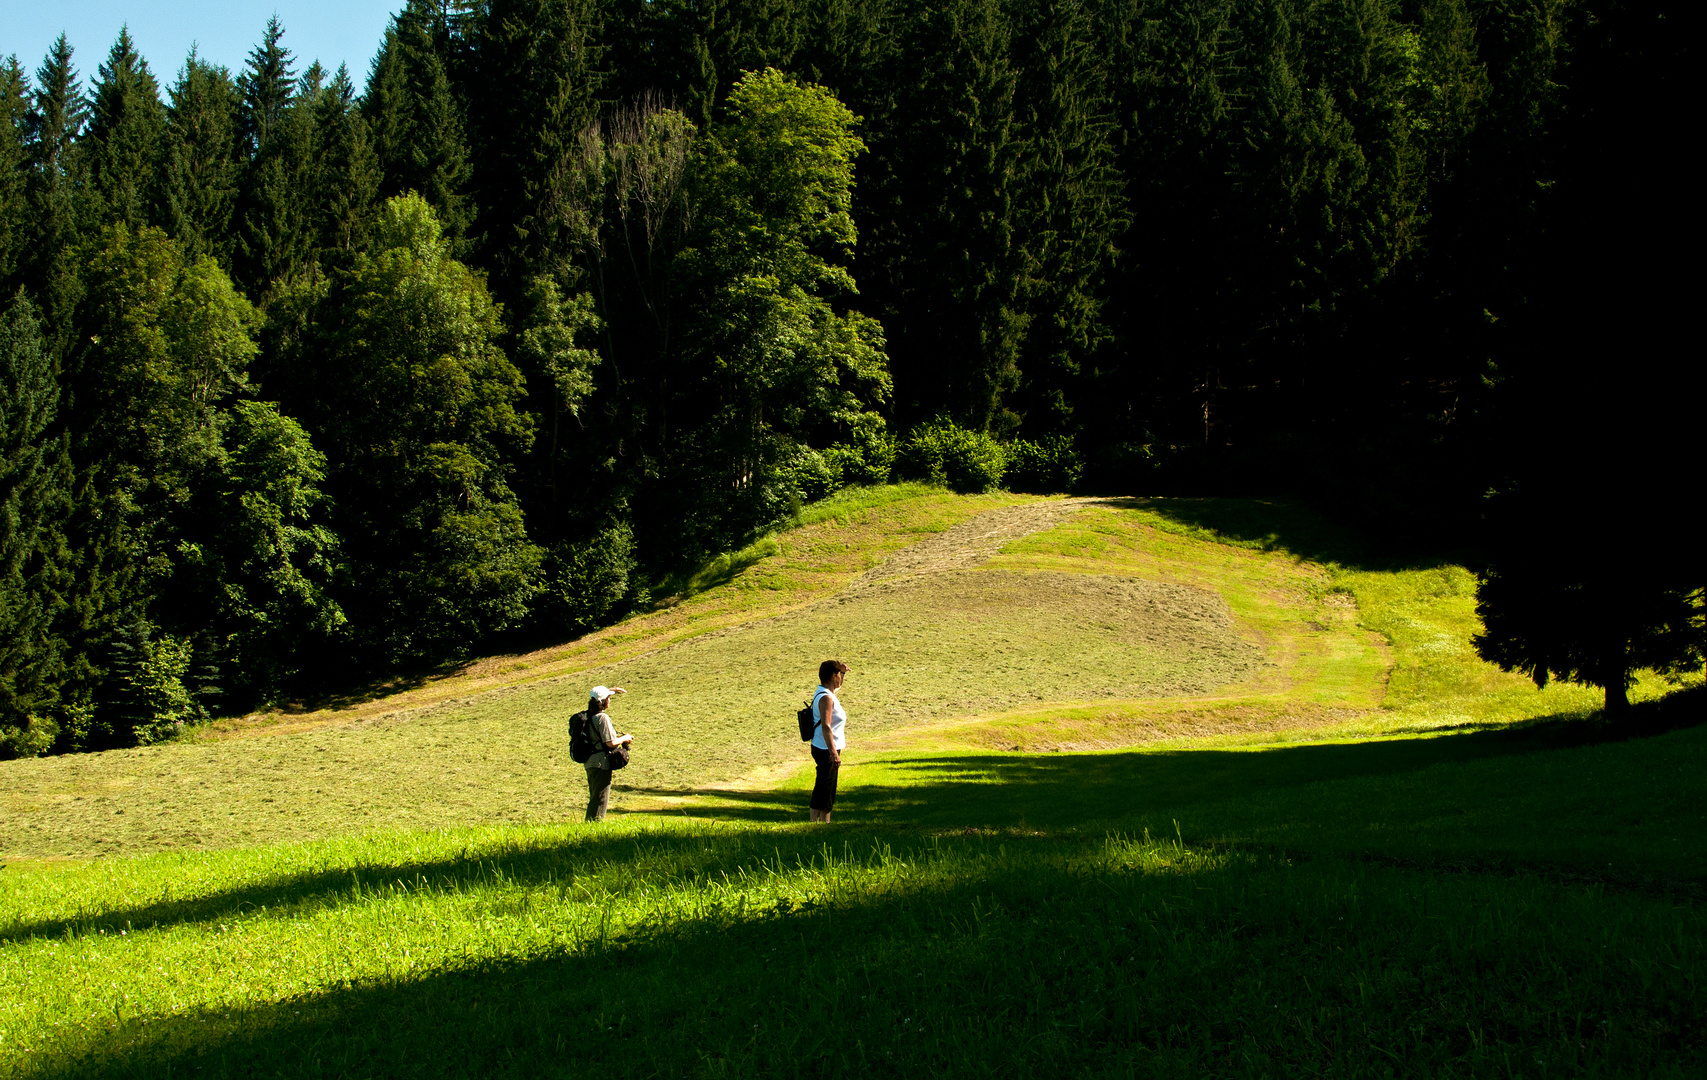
(1630, 811)
(715, 950)
(1440, 872)
(846, 507)
(1356, 650)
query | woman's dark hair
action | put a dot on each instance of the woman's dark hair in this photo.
(829, 668)
(596, 705)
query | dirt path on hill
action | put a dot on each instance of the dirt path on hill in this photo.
(974, 541)
(960, 547)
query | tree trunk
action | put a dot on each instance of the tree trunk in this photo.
(1617, 679)
(1617, 698)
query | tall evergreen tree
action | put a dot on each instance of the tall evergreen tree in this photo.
(54, 125)
(945, 230)
(267, 86)
(387, 110)
(533, 95)
(1072, 207)
(199, 181)
(848, 46)
(438, 157)
(419, 115)
(732, 37)
(1171, 64)
(124, 443)
(1596, 401)
(126, 121)
(274, 234)
(416, 114)
(1486, 96)
(1451, 85)
(346, 172)
(35, 482)
(14, 169)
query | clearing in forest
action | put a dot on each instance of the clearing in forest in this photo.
(996, 623)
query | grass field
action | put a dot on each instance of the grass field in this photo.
(1136, 788)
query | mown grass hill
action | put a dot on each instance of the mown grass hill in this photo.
(1135, 787)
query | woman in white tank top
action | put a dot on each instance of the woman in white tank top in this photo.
(828, 737)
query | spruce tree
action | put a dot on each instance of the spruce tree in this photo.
(848, 46)
(1451, 87)
(346, 173)
(199, 186)
(1570, 613)
(387, 110)
(274, 236)
(1325, 182)
(53, 127)
(1597, 401)
(438, 154)
(14, 169)
(35, 486)
(948, 238)
(1170, 67)
(124, 137)
(1072, 207)
(1295, 149)
(267, 86)
(730, 37)
(437, 162)
(416, 116)
(125, 441)
(534, 90)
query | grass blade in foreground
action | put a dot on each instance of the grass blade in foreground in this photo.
(715, 951)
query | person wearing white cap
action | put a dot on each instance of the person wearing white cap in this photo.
(605, 737)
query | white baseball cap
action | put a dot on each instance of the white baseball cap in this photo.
(601, 692)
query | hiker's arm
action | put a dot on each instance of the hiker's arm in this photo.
(620, 739)
(829, 737)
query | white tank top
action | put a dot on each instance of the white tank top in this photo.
(838, 720)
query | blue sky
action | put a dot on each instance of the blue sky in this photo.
(333, 31)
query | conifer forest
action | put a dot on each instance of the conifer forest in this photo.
(321, 377)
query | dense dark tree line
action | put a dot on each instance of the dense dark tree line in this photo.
(314, 379)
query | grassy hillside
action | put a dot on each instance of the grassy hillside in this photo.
(1158, 788)
(999, 622)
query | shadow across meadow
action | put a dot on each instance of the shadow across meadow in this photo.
(1270, 524)
(1070, 792)
(1063, 790)
(1015, 962)
(725, 992)
(527, 862)
(1215, 795)
(1618, 802)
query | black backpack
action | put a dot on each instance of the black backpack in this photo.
(808, 723)
(580, 738)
